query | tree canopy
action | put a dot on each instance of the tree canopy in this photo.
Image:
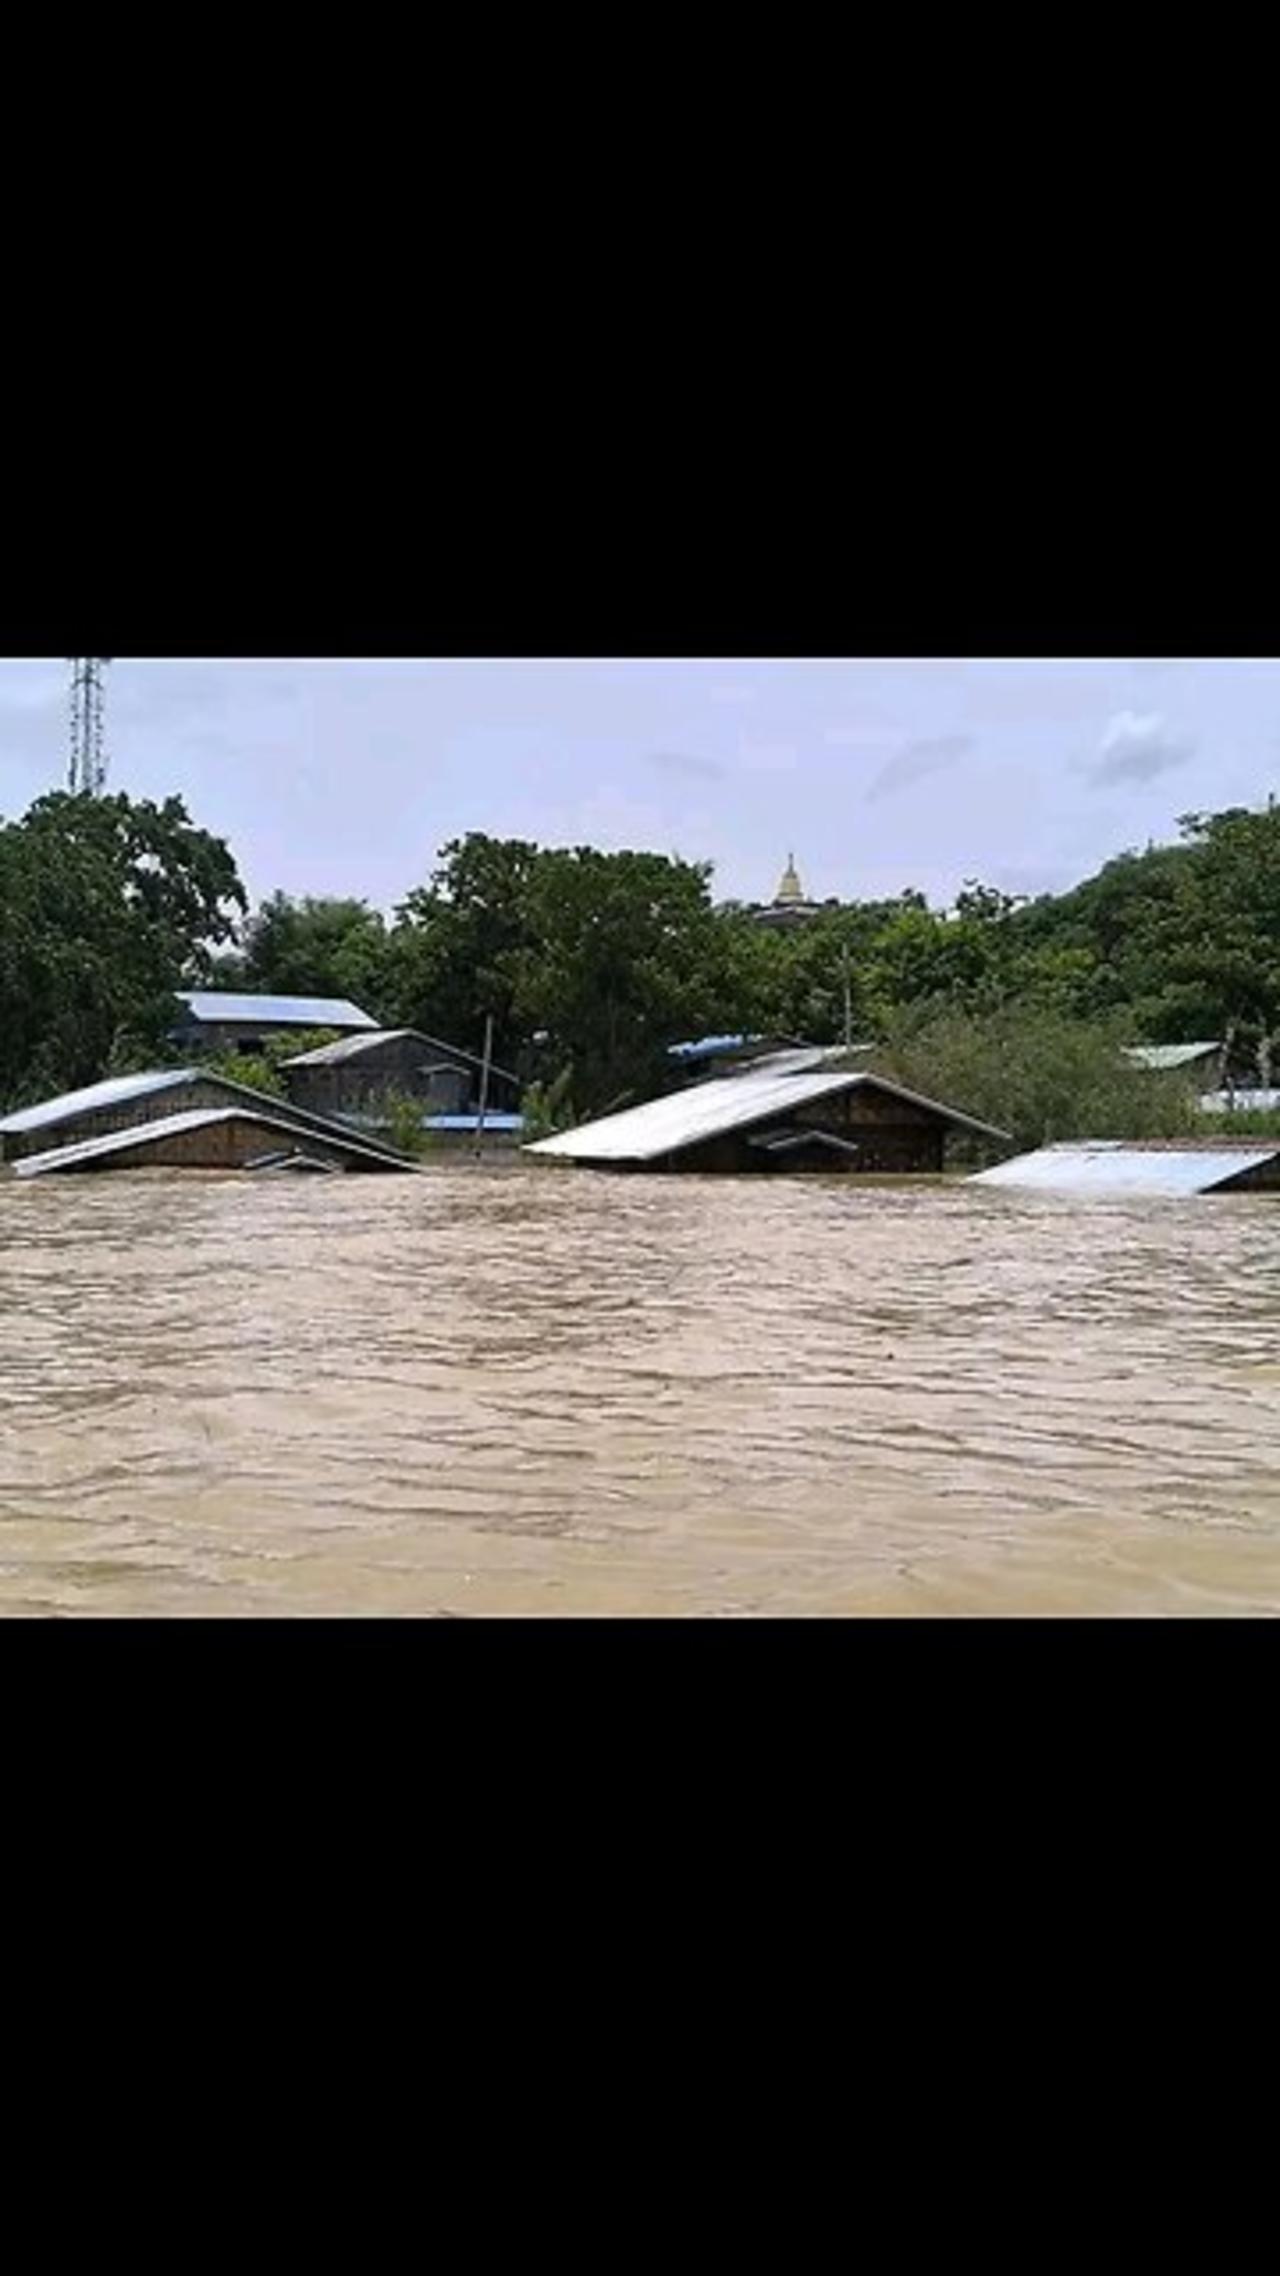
(590, 964)
(107, 905)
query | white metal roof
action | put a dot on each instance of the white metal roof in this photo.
(142, 1134)
(1117, 1165)
(731, 1102)
(117, 1091)
(274, 1011)
(353, 1046)
(1163, 1055)
(120, 1090)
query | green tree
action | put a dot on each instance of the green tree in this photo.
(623, 958)
(317, 946)
(456, 951)
(107, 906)
(1040, 1076)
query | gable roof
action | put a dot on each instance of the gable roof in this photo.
(141, 1135)
(120, 1090)
(729, 1102)
(1137, 1166)
(354, 1046)
(1165, 1055)
(216, 1004)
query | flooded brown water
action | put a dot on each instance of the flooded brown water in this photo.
(520, 1389)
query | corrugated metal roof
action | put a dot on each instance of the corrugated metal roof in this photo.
(1117, 1165)
(729, 1102)
(275, 1011)
(97, 1097)
(175, 1126)
(352, 1046)
(1163, 1055)
(119, 1090)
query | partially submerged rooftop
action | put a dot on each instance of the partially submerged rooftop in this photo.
(1142, 1166)
(762, 1100)
(353, 1048)
(134, 1100)
(214, 1138)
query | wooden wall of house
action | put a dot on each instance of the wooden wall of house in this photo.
(890, 1143)
(227, 1146)
(403, 1064)
(1263, 1178)
(154, 1106)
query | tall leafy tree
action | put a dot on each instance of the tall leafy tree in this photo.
(317, 946)
(457, 950)
(107, 906)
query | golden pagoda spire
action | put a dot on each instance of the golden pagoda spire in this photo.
(790, 888)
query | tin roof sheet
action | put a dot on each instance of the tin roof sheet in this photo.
(1163, 1055)
(120, 1090)
(707, 1110)
(146, 1134)
(212, 1004)
(1116, 1165)
(354, 1046)
(96, 1097)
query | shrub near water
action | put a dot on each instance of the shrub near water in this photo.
(1038, 1075)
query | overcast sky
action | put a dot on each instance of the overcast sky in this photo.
(346, 777)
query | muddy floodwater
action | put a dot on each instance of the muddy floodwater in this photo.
(513, 1388)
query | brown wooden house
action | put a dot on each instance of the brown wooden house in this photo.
(355, 1075)
(774, 1119)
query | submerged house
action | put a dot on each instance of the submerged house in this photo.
(214, 1138)
(133, 1105)
(1103, 1166)
(215, 1019)
(775, 1118)
(354, 1076)
(1203, 1063)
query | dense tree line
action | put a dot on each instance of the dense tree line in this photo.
(591, 964)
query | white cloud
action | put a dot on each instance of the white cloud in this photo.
(1136, 746)
(917, 760)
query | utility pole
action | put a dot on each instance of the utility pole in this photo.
(848, 999)
(484, 1083)
(87, 766)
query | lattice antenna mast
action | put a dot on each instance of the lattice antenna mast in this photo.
(88, 765)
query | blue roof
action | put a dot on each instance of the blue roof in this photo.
(274, 1011)
(472, 1122)
(708, 1046)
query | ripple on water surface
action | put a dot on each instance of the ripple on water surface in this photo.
(525, 1389)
